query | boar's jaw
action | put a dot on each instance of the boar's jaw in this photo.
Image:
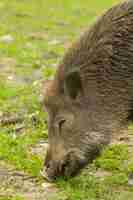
(74, 160)
(71, 162)
(69, 165)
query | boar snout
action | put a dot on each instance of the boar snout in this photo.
(67, 166)
(49, 171)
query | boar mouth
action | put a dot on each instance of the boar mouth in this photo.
(69, 166)
(72, 162)
(44, 174)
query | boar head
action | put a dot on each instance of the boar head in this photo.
(73, 135)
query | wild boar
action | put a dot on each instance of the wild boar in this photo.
(91, 96)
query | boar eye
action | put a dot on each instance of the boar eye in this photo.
(61, 123)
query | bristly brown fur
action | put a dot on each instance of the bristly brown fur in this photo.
(104, 56)
(94, 89)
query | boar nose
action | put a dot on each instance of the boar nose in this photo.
(46, 176)
(49, 171)
(54, 163)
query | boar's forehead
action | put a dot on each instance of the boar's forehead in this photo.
(49, 92)
(53, 99)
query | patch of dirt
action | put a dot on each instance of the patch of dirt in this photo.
(7, 62)
(125, 138)
(101, 174)
(7, 65)
(8, 72)
(40, 149)
(38, 36)
(14, 182)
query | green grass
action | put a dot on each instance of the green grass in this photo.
(15, 151)
(113, 158)
(11, 198)
(112, 186)
(41, 31)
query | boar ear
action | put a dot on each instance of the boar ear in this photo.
(45, 85)
(45, 88)
(72, 84)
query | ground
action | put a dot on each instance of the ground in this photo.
(33, 37)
